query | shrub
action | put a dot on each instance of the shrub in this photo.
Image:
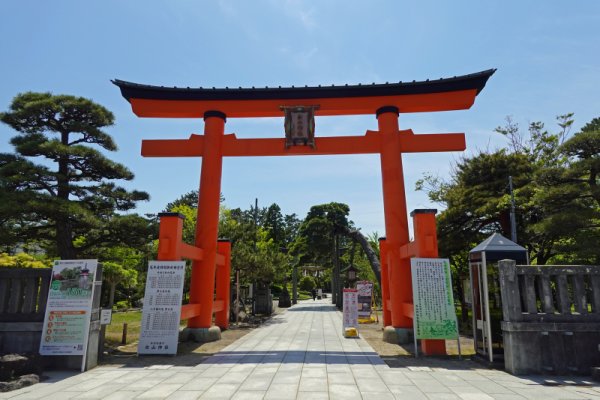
(307, 283)
(276, 290)
(24, 260)
(121, 305)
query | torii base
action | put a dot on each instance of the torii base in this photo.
(200, 335)
(397, 335)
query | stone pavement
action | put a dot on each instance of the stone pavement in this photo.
(301, 354)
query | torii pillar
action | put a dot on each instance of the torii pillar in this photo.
(396, 222)
(202, 283)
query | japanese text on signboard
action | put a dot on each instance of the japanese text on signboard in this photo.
(434, 314)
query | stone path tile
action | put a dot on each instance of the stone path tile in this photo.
(377, 396)
(220, 391)
(248, 395)
(123, 395)
(312, 396)
(201, 384)
(159, 391)
(187, 395)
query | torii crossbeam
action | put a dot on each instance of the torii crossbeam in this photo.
(386, 101)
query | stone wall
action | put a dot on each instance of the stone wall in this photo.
(551, 318)
(23, 295)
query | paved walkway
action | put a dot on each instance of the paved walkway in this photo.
(301, 354)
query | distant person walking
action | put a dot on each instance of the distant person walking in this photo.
(314, 294)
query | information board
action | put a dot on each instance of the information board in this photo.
(162, 308)
(350, 313)
(365, 296)
(105, 316)
(434, 313)
(68, 311)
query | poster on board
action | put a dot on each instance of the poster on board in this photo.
(365, 297)
(68, 310)
(434, 313)
(162, 308)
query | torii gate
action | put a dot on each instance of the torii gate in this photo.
(386, 101)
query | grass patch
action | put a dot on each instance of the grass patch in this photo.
(114, 331)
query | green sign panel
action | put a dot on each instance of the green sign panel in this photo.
(434, 313)
(68, 311)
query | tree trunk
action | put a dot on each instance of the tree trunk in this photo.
(366, 246)
(336, 278)
(111, 295)
(64, 240)
(64, 231)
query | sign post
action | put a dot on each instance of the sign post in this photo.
(162, 308)
(434, 313)
(350, 322)
(68, 312)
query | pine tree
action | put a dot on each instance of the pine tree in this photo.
(61, 183)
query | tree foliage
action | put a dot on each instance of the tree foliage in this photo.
(323, 226)
(58, 185)
(254, 251)
(115, 273)
(556, 192)
(23, 260)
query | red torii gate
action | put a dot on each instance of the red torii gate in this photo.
(386, 101)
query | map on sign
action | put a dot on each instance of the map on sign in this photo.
(434, 314)
(162, 307)
(68, 312)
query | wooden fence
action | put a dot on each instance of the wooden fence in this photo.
(551, 318)
(23, 296)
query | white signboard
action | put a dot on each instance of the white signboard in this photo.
(68, 311)
(434, 313)
(105, 316)
(350, 309)
(162, 308)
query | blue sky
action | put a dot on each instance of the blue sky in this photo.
(547, 54)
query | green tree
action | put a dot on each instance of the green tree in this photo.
(70, 190)
(122, 269)
(189, 199)
(114, 274)
(274, 223)
(571, 194)
(323, 226)
(554, 179)
(317, 233)
(292, 227)
(253, 251)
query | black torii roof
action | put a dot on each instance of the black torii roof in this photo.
(475, 81)
(496, 248)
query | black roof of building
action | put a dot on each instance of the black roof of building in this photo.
(496, 248)
(475, 81)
